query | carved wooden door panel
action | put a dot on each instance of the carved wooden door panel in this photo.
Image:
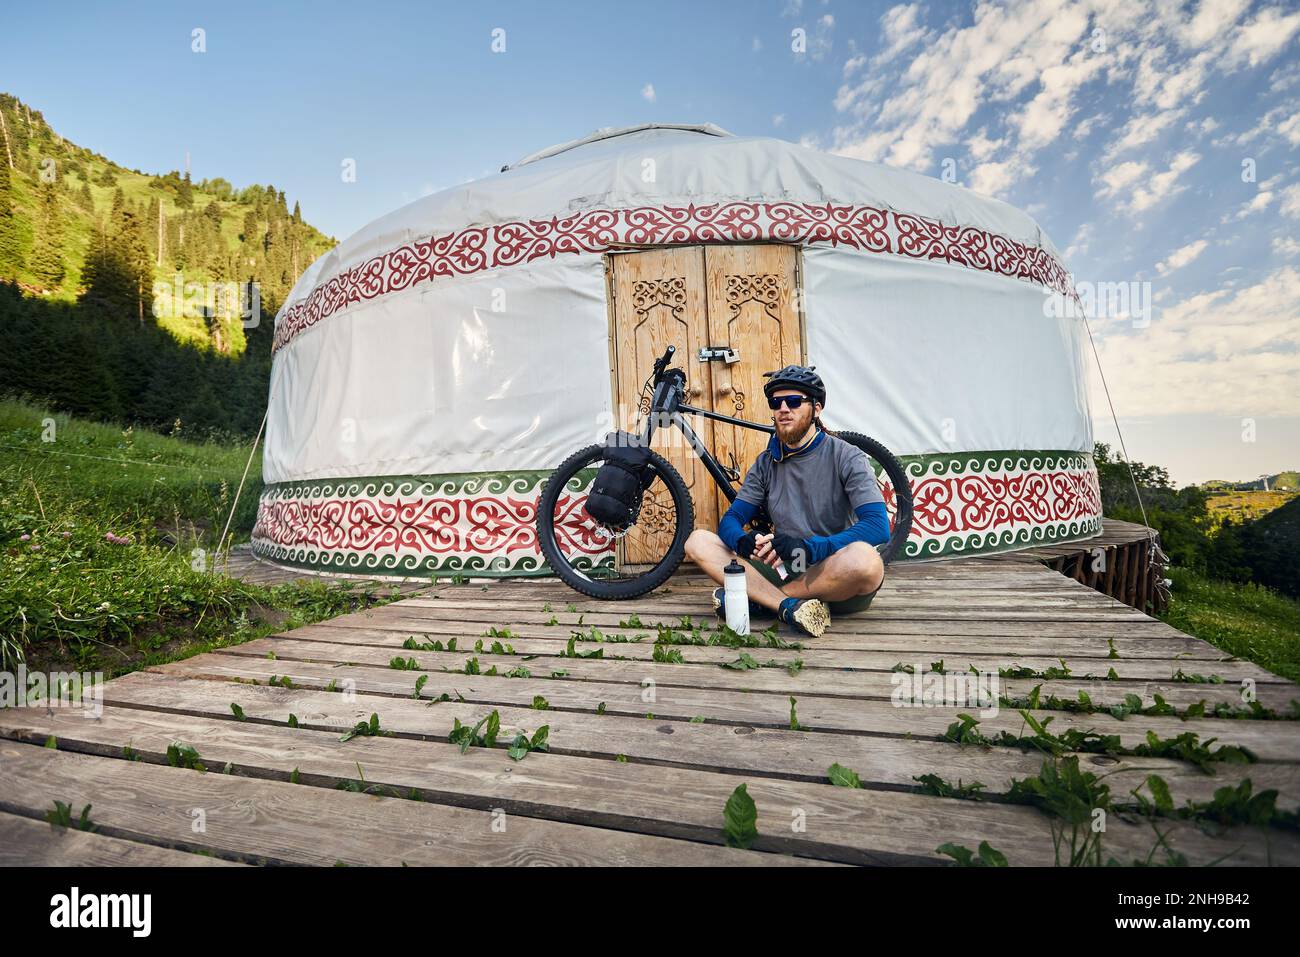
(658, 301)
(753, 308)
(742, 297)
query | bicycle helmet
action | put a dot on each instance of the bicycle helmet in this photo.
(802, 378)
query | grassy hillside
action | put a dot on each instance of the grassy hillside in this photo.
(107, 537)
(1247, 621)
(1239, 505)
(208, 231)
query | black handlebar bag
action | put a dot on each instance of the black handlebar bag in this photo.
(615, 498)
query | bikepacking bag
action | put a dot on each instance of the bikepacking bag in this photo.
(615, 498)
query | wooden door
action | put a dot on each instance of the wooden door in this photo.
(741, 297)
(659, 300)
(753, 308)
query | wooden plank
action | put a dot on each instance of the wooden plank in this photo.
(499, 615)
(25, 842)
(930, 648)
(777, 680)
(886, 603)
(275, 822)
(840, 626)
(848, 825)
(761, 682)
(670, 740)
(816, 712)
(825, 668)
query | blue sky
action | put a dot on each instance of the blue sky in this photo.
(1122, 126)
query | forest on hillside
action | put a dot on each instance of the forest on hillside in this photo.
(86, 245)
(1265, 549)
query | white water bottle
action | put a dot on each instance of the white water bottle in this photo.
(736, 598)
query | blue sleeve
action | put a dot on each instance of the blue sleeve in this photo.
(871, 527)
(732, 525)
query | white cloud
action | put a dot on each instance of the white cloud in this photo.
(1262, 38)
(1036, 63)
(819, 38)
(1140, 130)
(1286, 246)
(1082, 240)
(1163, 185)
(1290, 128)
(981, 147)
(1181, 257)
(756, 45)
(901, 28)
(1291, 201)
(1120, 177)
(648, 92)
(778, 119)
(1258, 203)
(1228, 352)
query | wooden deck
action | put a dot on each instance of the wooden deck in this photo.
(630, 777)
(1116, 563)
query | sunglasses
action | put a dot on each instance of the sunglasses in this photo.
(792, 401)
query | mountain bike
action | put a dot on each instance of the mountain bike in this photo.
(591, 556)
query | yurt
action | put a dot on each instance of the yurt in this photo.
(432, 369)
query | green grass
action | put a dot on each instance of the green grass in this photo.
(1247, 621)
(106, 545)
(126, 476)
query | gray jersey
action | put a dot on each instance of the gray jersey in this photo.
(813, 493)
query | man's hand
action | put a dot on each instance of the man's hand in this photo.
(745, 546)
(792, 550)
(764, 552)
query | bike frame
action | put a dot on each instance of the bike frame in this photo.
(667, 405)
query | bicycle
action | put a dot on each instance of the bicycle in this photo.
(594, 567)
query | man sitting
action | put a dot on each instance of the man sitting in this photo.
(826, 510)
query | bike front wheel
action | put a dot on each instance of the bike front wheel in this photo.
(598, 561)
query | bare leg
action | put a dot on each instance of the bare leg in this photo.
(711, 553)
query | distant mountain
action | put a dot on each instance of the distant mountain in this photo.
(1281, 482)
(85, 245)
(74, 224)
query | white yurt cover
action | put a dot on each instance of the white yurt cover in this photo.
(413, 418)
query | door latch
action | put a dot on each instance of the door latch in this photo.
(713, 353)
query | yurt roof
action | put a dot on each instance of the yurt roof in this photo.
(694, 165)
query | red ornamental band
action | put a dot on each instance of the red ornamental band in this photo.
(504, 525)
(476, 248)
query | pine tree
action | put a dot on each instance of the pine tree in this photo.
(85, 198)
(151, 217)
(105, 276)
(185, 195)
(11, 250)
(47, 256)
(132, 239)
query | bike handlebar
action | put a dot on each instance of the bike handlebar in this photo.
(662, 362)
